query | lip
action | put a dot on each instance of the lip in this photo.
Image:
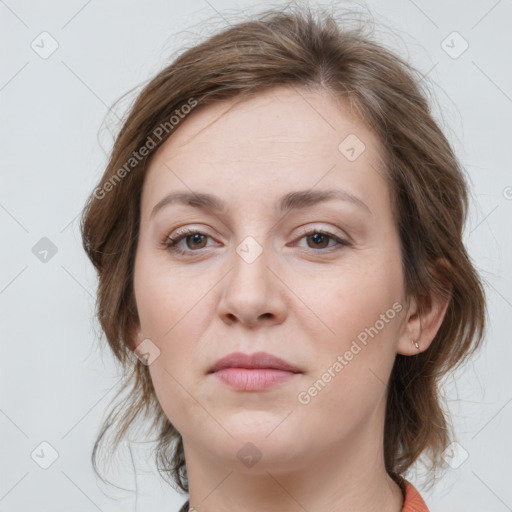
(253, 372)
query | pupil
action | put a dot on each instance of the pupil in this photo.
(196, 238)
(317, 238)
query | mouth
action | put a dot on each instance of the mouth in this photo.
(253, 372)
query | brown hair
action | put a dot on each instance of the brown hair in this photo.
(295, 46)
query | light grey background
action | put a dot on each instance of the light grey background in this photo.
(55, 384)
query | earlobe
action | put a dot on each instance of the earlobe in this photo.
(410, 342)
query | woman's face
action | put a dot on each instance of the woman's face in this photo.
(266, 272)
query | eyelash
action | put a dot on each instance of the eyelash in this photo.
(172, 243)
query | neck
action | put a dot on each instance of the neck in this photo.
(344, 478)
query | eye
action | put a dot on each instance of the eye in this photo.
(320, 239)
(197, 241)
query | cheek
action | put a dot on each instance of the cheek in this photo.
(170, 304)
(163, 294)
(177, 404)
(362, 309)
(354, 298)
(168, 308)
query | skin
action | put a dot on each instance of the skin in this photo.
(304, 299)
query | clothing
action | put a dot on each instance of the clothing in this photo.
(413, 502)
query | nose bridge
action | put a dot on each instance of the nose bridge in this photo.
(250, 260)
(251, 291)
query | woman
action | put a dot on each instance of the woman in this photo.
(278, 239)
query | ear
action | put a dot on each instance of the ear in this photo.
(424, 318)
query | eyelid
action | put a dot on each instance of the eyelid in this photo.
(187, 230)
(317, 226)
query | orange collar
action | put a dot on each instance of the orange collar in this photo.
(413, 502)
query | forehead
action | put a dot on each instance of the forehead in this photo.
(278, 140)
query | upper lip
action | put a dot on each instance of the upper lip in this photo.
(256, 360)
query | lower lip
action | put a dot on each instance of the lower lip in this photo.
(245, 379)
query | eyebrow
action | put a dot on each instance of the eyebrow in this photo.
(292, 201)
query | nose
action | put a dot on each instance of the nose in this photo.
(253, 293)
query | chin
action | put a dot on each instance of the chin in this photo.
(259, 424)
(275, 438)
